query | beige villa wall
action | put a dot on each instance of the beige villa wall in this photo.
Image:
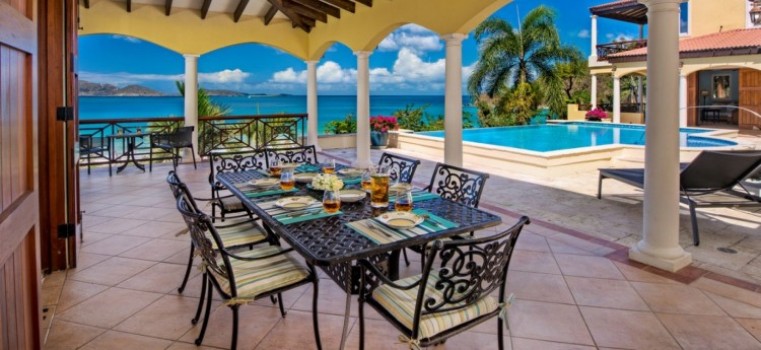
(713, 16)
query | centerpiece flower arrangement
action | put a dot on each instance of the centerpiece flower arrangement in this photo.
(596, 115)
(379, 128)
(327, 182)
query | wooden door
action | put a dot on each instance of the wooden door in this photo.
(19, 255)
(750, 99)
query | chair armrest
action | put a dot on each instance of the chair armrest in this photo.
(368, 266)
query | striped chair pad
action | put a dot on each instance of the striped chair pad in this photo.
(240, 235)
(231, 204)
(253, 278)
(401, 305)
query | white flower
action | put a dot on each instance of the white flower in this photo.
(327, 182)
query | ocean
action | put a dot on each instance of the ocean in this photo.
(329, 107)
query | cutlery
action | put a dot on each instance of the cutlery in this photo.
(305, 213)
(427, 217)
(372, 226)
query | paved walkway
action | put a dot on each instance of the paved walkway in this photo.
(573, 291)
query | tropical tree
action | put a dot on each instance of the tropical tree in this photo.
(207, 108)
(528, 54)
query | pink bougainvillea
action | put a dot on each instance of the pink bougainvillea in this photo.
(597, 114)
(383, 123)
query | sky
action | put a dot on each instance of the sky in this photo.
(410, 61)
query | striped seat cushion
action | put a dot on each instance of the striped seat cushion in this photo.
(231, 204)
(253, 278)
(240, 235)
(401, 305)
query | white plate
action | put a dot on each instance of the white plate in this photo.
(304, 177)
(351, 196)
(351, 172)
(400, 219)
(264, 183)
(294, 203)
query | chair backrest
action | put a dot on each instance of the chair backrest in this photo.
(203, 233)
(180, 189)
(713, 171)
(301, 154)
(226, 162)
(464, 271)
(457, 184)
(402, 169)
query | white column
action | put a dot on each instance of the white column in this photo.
(593, 36)
(453, 100)
(191, 100)
(312, 124)
(363, 109)
(616, 99)
(682, 101)
(593, 98)
(659, 246)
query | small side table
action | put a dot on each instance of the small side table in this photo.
(130, 139)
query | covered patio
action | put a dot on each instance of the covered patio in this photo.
(574, 284)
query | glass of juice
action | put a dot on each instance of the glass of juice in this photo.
(330, 167)
(275, 168)
(379, 187)
(367, 180)
(403, 200)
(287, 181)
(331, 201)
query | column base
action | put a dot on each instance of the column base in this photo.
(671, 265)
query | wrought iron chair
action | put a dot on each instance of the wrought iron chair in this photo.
(456, 184)
(240, 278)
(402, 169)
(301, 154)
(237, 232)
(221, 162)
(172, 143)
(98, 146)
(453, 293)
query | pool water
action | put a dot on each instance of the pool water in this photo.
(556, 137)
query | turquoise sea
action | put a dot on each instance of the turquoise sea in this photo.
(330, 107)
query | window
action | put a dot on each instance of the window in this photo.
(684, 18)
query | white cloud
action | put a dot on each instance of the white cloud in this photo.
(584, 34)
(413, 37)
(126, 38)
(224, 76)
(616, 37)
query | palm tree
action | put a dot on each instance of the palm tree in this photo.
(511, 57)
(207, 108)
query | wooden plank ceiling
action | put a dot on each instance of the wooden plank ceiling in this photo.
(303, 14)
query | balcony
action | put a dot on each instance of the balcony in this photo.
(605, 50)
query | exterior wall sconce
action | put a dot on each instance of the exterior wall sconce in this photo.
(755, 12)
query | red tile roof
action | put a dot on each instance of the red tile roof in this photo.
(733, 42)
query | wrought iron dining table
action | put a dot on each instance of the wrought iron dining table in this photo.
(329, 244)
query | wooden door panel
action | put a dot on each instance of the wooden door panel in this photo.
(19, 208)
(750, 98)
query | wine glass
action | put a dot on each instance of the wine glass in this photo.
(275, 168)
(403, 200)
(287, 181)
(331, 201)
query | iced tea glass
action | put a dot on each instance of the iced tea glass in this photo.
(379, 188)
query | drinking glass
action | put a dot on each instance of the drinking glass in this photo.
(329, 168)
(275, 168)
(367, 180)
(403, 200)
(287, 181)
(331, 201)
(379, 190)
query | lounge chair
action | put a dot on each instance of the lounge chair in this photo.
(711, 173)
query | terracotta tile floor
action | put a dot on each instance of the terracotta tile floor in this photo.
(571, 293)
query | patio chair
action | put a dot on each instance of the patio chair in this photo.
(456, 184)
(98, 146)
(300, 154)
(222, 162)
(453, 293)
(237, 232)
(240, 278)
(711, 173)
(172, 143)
(402, 168)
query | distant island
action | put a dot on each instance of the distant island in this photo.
(87, 88)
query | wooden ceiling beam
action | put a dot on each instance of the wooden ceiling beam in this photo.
(270, 15)
(294, 17)
(129, 5)
(87, 4)
(306, 11)
(368, 3)
(320, 6)
(205, 8)
(347, 5)
(168, 7)
(239, 10)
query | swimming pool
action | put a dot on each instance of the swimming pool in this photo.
(564, 136)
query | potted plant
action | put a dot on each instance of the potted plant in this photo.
(596, 115)
(379, 128)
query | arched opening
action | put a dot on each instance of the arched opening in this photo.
(724, 97)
